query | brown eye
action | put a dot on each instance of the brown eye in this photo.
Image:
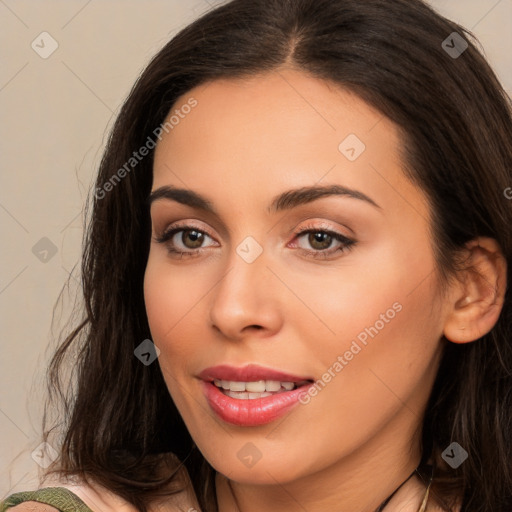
(192, 239)
(320, 240)
(322, 243)
(186, 240)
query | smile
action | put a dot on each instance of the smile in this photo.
(255, 389)
(244, 397)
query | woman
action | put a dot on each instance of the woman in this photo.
(295, 274)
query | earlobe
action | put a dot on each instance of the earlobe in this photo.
(478, 296)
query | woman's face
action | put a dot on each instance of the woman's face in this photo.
(333, 286)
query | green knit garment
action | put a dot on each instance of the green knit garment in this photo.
(58, 497)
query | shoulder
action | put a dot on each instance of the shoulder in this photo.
(46, 499)
(32, 506)
(99, 499)
(66, 496)
(49, 499)
(58, 493)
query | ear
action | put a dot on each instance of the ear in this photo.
(478, 295)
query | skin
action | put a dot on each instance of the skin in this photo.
(245, 142)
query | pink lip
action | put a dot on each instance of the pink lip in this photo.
(249, 373)
(250, 412)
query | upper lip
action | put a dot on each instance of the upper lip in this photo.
(248, 373)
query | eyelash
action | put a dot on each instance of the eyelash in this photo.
(347, 244)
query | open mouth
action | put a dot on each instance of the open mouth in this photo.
(252, 395)
(256, 389)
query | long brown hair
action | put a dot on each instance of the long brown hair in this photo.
(117, 418)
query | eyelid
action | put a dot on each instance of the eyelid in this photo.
(322, 225)
(186, 225)
(346, 244)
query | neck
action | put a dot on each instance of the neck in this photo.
(359, 482)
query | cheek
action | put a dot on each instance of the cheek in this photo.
(171, 298)
(378, 317)
(384, 283)
(381, 355)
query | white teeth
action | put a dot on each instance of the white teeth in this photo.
(252, 396)
(246, 396)
(258, 387)
(272, 385)
(239, 395)
(254, 387)
(239, 386)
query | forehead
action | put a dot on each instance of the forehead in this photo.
(260, 135)
(268, 111)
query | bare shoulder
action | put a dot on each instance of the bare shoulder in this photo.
(100, 499)
(32, 506)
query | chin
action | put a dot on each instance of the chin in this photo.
(265, 471)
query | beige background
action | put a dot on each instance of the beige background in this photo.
(55, 115)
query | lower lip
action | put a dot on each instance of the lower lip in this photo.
(251, 412)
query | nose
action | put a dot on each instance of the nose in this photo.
(246, 301)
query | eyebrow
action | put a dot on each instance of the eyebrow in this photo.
(285, 201)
